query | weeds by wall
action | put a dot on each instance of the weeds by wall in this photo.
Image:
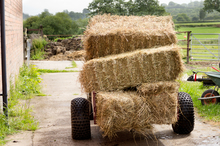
(37, 50)
(25, 87)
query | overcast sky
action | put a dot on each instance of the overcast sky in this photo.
(35, 7)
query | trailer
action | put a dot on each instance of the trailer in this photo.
(83, 110)
(210, 96)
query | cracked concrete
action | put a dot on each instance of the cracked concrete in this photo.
(53, 113)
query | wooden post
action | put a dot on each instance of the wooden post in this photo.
(41, 31)
(188, 40)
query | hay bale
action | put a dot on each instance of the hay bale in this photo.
(131, 69)
(108, 34)
(118, 111)
(77, 55)
(152, 104)
(162, 98)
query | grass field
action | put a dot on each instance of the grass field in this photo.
(198, 24)
(199, 30)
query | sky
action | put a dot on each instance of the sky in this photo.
(35, 7)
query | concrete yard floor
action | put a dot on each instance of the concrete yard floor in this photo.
(53, 114)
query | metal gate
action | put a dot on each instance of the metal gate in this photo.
(207, 48)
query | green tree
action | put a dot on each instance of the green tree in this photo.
(45, 13)
(148, 7)
(76, 15)
(182, 17)
(195, 18)
(67, 25)
(59, 24)
(31, 22)
(86, 11)
(202, 14)
(121, 7)
(101, 7)
(82, 23)
(210, 5)
(171, 4)
(130, 7)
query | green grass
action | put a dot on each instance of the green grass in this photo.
(54, 71)
(41, 94)
(38, 55)
(199, 30)
(26, 86)
(74, 65)
(37, 50)
(64, 38)
(200, 23)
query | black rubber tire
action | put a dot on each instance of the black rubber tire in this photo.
(185, 123)
(80, 121)
(208, 92)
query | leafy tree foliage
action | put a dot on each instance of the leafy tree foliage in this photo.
(82, 23)
(101, 7)
(59, 24)
(191, 9)
(86, 11)
(31, 22)
(182, 17)
(122, 7)
(210, 5)
(76, 15)
(195, 18)
(148, 7)
(44, 14)
(202, 14)
(172, 4)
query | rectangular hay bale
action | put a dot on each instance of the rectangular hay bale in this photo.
(120, 111)
(107, 35)
(162, 98)
(131, 69)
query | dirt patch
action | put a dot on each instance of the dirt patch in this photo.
(75, 55)
(69, 49)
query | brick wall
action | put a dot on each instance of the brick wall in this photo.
(14, 38)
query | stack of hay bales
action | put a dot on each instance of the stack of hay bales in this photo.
(132, 51)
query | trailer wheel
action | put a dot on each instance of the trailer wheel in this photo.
(209, 93)
(185, 115)
(80, 121)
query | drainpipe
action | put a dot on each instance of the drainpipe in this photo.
(3, 60)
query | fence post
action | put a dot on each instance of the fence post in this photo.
(41, 31)
(188, 40)
(28, 51)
